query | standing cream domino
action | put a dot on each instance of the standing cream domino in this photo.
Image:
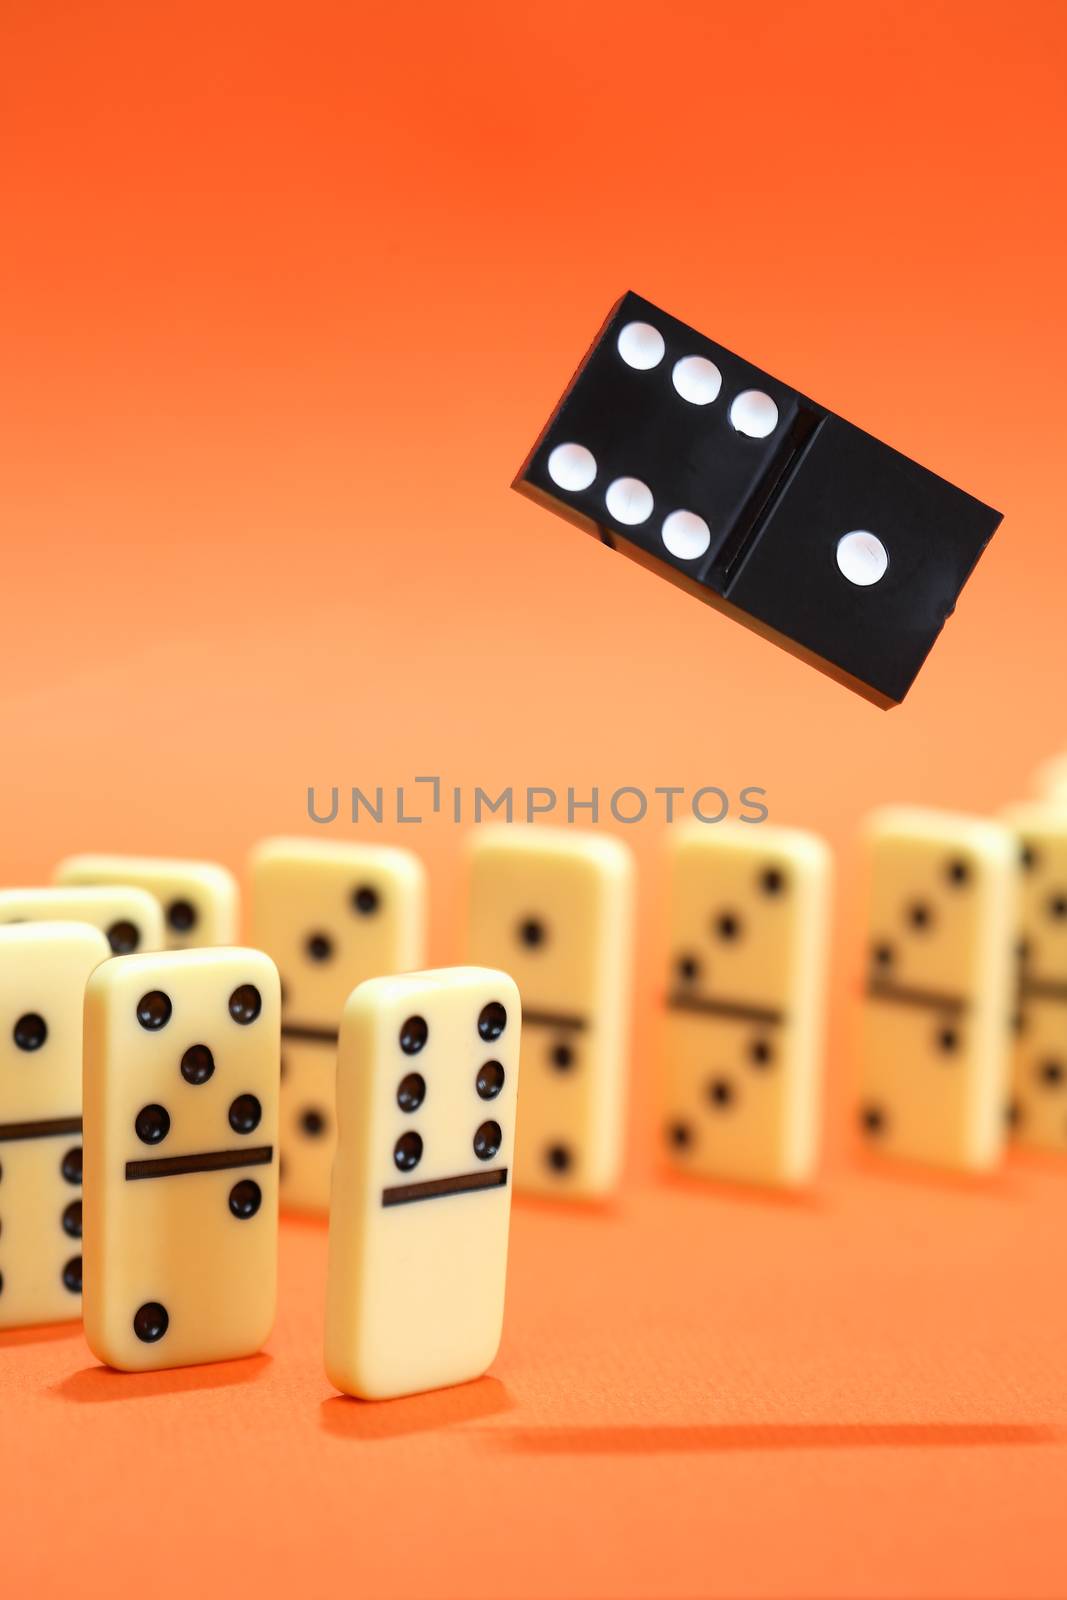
(935, 1036)
(132, 919)
(749, 926)
(1050, 779)
(1037, 1110)
(426, 1077)
(330, 915)
(199, 898)
(181, 1129)
(43, 972)
(555, 910)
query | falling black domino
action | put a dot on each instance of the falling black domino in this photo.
(757, 500)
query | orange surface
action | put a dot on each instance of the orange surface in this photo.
(286, 292)
(857, 1394)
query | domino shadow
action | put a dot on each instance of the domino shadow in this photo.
(369, 1420)
(1022, 1161)
(1001, 1184)
(99, 1385)
(608, 1208)
(46, 1333)
(758, 1195)
(729, 1438)
(305, 1222)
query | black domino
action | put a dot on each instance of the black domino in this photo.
(758, 500)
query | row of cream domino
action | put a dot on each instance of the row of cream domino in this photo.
(743, 1051)
(433, 1073)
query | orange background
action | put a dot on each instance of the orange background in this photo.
(286, 292)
